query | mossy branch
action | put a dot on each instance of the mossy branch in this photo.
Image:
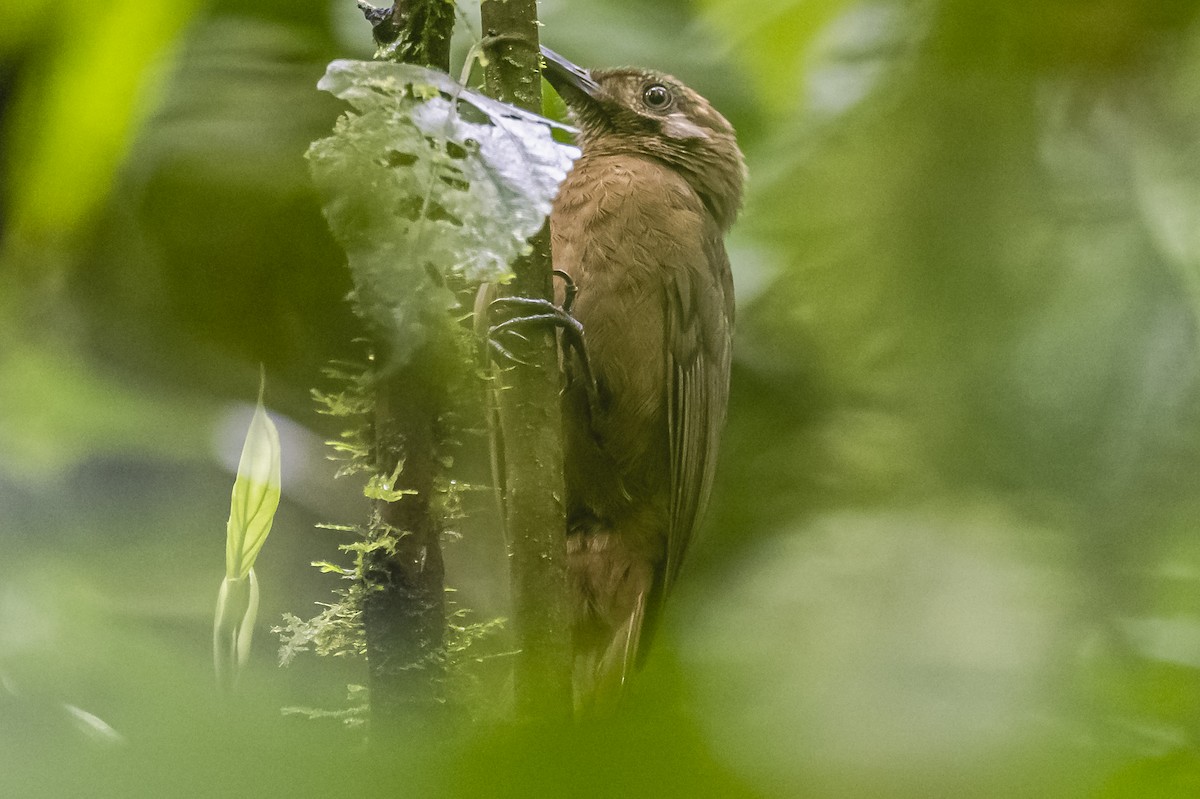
(404, 609)
(413, 31)
(530, 416)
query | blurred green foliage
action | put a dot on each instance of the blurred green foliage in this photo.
(71, 124)
(953, 546)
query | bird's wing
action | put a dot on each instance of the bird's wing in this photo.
(699, 334)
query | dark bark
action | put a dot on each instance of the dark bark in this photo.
(415, 31)
(404, 611)
(530, 417)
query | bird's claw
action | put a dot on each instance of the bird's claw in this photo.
(524, 313)
(506, 354)
(536, 312)
(570, 290)
(550, 315)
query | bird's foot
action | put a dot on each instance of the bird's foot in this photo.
(521, 314)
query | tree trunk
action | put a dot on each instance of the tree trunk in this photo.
(404, 611)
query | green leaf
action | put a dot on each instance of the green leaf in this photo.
(233, 626)
(76, 117)
(255, 495)
(426, 181)
(19, 23)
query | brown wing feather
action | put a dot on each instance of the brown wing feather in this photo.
(698, 332)
(699, 346)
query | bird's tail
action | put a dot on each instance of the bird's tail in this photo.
(604, 660)
(613, 578)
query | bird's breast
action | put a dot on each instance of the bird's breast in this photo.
(628, 218)
(630, 232)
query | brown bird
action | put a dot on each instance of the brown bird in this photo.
(637, 231)
(638, 227)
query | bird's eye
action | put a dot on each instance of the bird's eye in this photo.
(656, 96)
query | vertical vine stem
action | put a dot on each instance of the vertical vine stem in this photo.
(530, 417)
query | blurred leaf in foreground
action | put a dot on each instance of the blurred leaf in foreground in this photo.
(58, 409)
(75, 121)
(899, 653)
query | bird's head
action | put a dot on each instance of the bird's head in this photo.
(643, 112)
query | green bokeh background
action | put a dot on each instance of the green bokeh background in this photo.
(953, 546)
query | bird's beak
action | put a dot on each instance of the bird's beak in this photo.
(573, 83)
